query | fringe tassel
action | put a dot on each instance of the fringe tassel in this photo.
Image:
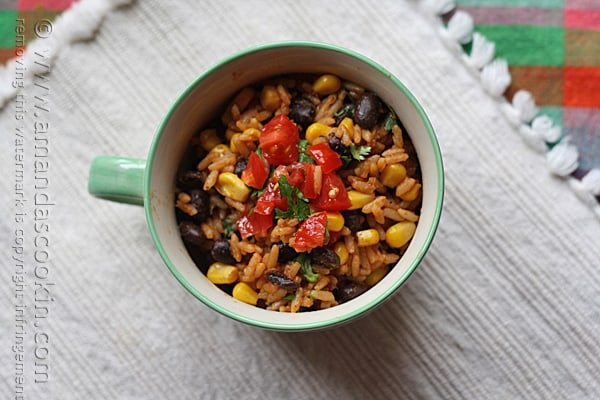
(588, 189)
(458, 32)
(562, 158)
(482, 52)
(495, 77)
(438, 7)
(537, 131)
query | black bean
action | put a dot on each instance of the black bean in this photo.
(325, 257)
(192, 233)
(282, 280)
(347, 290)
(200, 201)
(240, 165)
(286, 253)
(302, 111)
(336, 145)
(190, 179)
(368, 109)
(221, 251)
(353, 220)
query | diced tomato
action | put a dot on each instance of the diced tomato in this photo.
(279, 140)
(308, 188)
(302, 176)
(311, 233)
(328, 159)
(270, 200)
(281, 170)
(296, 174)
(254, 224)
(333, 196)
(256, 173)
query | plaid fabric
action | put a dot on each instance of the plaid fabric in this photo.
(553, 51)
(11, 11)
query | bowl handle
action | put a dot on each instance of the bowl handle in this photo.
(119, 179)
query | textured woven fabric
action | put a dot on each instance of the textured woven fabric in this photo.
(553, 50)
(504, 306)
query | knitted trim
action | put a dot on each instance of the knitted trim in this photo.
(538, 131)
(79, 22)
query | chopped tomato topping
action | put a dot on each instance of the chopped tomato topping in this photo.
(270, 200)
(254, 224)
(312, 233)
(256, 173)
(328, 159)
(279, 141)
(333, 196)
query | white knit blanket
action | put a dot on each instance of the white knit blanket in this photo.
(504, 306)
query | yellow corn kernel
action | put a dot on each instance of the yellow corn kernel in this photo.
(220, 148)
(232, 142)
(327, 84)
(209, 139)
(368, 237)
(229, 133)
(243, 292)
(221, 274)
(399, 234)
(269, 98)
(335, 221)
(392, 175)
(359, 199)
(349, 125)
(230, 185)
(376, 275)
(412, 194)
(342, 252)
(315, 130)
(254, 132)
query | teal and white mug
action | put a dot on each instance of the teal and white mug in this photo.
(151, 182)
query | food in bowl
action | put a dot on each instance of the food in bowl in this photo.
(301, 195)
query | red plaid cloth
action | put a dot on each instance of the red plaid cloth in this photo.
(553, 51)
(21, 14)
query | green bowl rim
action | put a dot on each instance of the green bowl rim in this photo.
(317, 324)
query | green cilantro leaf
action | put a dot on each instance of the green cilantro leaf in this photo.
(227, 228)
(302, 154)
(256, 193)
(297, 204)
(346, 160)
(390, 121)
(346, 111)
(359, 152)
(306, 267)
(290, 296)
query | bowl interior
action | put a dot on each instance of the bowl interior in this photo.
(206, 96)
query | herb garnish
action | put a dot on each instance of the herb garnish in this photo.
(346, 111)
(356, 153)
(390, 121)
(302, 154)
(306, 267)
(297, 204)
(227, 228)
(359, 152)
